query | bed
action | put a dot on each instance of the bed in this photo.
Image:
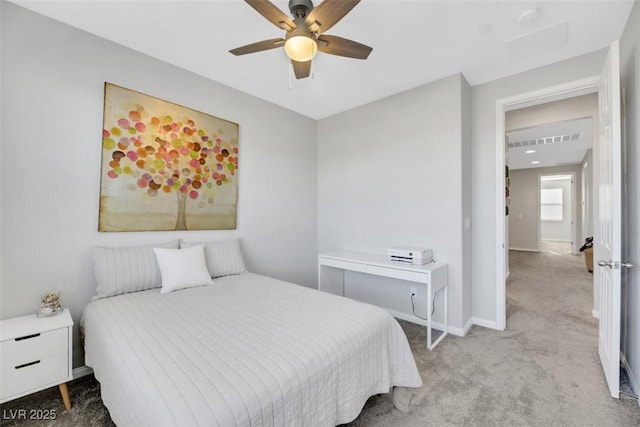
(245, 350)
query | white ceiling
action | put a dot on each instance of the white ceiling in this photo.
(414, 42)
(557, 149)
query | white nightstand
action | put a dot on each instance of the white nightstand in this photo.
(35, 353)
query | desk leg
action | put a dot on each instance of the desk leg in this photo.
(331, 279)
(64, 392)
(431, 345)
(429, 303)
(446, 311)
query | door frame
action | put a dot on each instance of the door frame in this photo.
(525, 99)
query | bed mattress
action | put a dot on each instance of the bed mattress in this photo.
(247, 350)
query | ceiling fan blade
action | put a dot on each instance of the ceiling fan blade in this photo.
(258, 47)
(335, 45)
(328, 13)
(272, 13)
(301, 69)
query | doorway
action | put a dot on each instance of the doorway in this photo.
(558, 219)
(504, 105)
(607, 208)
(548, 158)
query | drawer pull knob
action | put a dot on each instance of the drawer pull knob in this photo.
(26, 337)
(27, 364)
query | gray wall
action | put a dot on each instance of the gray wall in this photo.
(578, 107)
(467, 307)
(1, 133)
(630, 70)
(484, 158)
(524, 211)
(391, 173)
(52, 101)
(558, 111)
(586, 196)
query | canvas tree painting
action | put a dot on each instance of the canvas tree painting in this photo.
(165, 166)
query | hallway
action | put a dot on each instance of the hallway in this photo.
(554, 286)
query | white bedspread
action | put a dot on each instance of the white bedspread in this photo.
(246, 351)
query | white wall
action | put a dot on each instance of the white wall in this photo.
(484, 157)
(390, 173)
(630, 69)
(52, 100)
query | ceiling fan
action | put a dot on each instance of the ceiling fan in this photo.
(305, 32)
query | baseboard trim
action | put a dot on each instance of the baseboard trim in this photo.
(460, 332)
(81, 371)
(414, 319)
(491, 324)
(468, 326)
(524, 249)
(635, 387)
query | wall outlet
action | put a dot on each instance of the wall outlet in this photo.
(414, 291)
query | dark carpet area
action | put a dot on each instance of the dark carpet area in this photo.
(45, 408)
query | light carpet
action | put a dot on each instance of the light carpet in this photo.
(543, 370)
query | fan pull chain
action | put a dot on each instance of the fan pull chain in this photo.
(290, 72)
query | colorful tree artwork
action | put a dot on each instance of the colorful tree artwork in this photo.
(164, 166)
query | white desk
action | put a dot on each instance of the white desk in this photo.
(434, 275)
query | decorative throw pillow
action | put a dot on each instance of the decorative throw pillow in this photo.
(224, 257)
(182, 268)
(122, 270)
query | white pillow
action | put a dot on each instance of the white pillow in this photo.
(126, 269)
(182, 268)
(224, 257)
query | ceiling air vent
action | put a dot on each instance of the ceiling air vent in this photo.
(547, 140)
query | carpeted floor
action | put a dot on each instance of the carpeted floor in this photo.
(542, 371)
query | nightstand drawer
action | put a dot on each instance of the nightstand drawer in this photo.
(36, 373)
(32, 347)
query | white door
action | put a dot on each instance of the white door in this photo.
(607, 230)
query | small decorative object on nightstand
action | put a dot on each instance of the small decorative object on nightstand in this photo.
(50, 305)
(35, 353)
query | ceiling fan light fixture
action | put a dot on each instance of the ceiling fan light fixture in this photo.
(305, 32)
(300, 47)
